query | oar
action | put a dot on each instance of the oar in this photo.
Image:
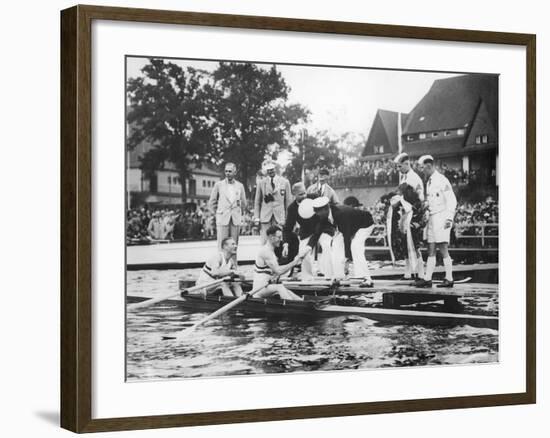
(172, 294)
(185, 332)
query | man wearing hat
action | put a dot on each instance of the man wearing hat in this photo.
(342, 232)
(321, 187)
(441, 208)
(300, 212)
(408, 176)
(272, 199)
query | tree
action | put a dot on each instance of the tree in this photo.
(174, 110)
(320, 150)
(254, 116)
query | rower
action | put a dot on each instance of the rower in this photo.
(266, 267)
(220, 265)
(441, 207)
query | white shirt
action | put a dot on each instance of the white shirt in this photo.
(440, 195)
(411, 178)
(231, 194)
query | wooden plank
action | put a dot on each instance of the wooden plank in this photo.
(413, 316)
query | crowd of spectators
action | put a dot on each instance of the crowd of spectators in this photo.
(380, 172)
(383, 172)
(459, 177)
(148, 225)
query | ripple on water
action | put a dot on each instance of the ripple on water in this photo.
(241, 343)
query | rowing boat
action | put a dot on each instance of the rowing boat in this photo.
(316, 307)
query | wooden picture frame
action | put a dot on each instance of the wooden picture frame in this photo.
(76, 217)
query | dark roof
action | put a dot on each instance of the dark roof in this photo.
(453, 102)
(388, 121)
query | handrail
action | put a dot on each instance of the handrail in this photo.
(482, 226)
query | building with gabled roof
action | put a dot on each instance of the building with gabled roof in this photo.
(383, 140)
(163, 186)
(456, 122)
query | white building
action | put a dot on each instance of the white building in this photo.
(164, 186)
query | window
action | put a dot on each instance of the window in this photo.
(435, 134)
(169, 179)
(204, 183)
(422, 136)
(460, 131)
(447, 133)
(484, 139)
(422, 118)
(478, 139)
(381, 149)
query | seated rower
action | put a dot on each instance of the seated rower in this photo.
(266, 267)
(222, 264)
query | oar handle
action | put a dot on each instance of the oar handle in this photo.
(205, 285)
(151, 301)
(219, 312)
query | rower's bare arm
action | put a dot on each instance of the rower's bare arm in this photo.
(271, 262)
(217, 270)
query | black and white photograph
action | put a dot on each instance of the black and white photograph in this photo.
(285, 218)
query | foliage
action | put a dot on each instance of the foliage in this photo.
(254, 117)
(321, 150)
(174, 109)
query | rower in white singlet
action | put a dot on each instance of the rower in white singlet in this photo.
(221, 265)
(266, 267)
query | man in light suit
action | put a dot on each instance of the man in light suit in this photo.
(273, 196)
(228, 202)
(321, 188)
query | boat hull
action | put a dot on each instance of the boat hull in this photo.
(318, 309)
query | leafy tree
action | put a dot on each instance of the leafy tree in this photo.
(254, 117)
(320, 150)
(174, 109)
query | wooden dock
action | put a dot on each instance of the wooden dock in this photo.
(192, 254)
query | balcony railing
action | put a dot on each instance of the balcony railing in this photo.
(466, 234)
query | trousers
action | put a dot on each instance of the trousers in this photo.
(332, 261)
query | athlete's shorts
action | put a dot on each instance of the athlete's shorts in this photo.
(436, 231)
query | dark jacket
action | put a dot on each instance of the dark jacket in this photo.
(307, 226)
(347, 220)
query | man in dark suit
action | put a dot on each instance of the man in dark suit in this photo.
(342, 232)
(300, 212)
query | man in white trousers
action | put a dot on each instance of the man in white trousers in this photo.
(441, 209)
(342, 232)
